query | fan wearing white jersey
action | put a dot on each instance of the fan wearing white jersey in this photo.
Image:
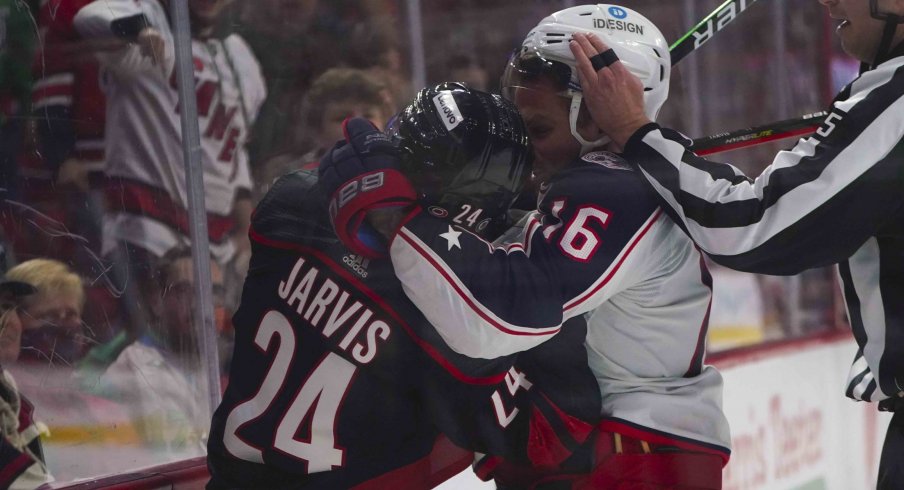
(835, 197)
(598, 245)
(146, 178)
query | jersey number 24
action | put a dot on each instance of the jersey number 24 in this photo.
(322, 392)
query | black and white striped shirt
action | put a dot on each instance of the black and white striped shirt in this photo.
(836, 197)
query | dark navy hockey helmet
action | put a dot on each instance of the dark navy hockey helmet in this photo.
(466, 152)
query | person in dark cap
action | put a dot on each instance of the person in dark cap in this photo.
(21, 455)
(10, 324)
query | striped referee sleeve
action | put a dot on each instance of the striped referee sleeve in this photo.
(813, 206)
(861, 382)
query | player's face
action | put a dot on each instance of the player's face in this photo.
(860, 33)
(545, 114)
(336, 112)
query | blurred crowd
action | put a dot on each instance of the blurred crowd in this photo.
(93, 205)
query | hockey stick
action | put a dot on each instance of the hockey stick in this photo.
(756, 135)
(707, 28)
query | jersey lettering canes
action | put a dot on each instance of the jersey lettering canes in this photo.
(337, 379)
(598, 245)
(146, 181)
(833, 198)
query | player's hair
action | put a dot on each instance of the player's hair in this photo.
(339, 85)
(49, 276)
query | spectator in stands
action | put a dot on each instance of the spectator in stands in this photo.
(288, 38)
(11, 295)
(464, 68)
(374, 46)
(17, 43)
(160, 375)
(52, 329)
(337, 94)
(68, 105)
(21, 455)
(147, 199)
(53, 338)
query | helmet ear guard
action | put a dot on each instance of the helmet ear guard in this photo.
(466, 152)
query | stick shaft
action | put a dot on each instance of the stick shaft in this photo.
(756, 135)
(707, 28)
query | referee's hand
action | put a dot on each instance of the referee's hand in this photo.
(613, 95)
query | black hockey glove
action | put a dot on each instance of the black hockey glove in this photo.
(360, 174)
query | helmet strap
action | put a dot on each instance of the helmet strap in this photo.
(586, 146)
(888, 33)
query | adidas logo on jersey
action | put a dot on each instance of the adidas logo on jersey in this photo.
(357, 263)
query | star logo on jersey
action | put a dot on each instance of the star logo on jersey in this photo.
(451, 236)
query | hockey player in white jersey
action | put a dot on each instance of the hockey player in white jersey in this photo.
(598, 245)
(834, 198)
(146, 177)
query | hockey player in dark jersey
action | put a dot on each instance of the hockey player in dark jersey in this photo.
(337, 381)
(599, 246)
(836, 197)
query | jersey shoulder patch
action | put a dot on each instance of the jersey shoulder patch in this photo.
(597, 184)
(607, 159)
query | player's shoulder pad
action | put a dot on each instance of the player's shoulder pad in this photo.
(604, 179)
(294, 191)
(293, 209)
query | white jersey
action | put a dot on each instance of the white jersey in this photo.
(146, 190)
(598, 246)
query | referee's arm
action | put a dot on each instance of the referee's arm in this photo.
(813, 206)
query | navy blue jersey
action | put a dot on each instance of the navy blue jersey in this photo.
(337, 378)
(600, 247)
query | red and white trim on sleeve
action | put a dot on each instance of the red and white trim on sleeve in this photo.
(480, 332)
(596, 293)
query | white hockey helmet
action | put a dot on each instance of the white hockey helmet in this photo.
(638, 43)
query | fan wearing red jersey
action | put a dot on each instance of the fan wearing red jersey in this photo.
(145, 176)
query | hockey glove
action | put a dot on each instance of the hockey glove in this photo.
(358, 175)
